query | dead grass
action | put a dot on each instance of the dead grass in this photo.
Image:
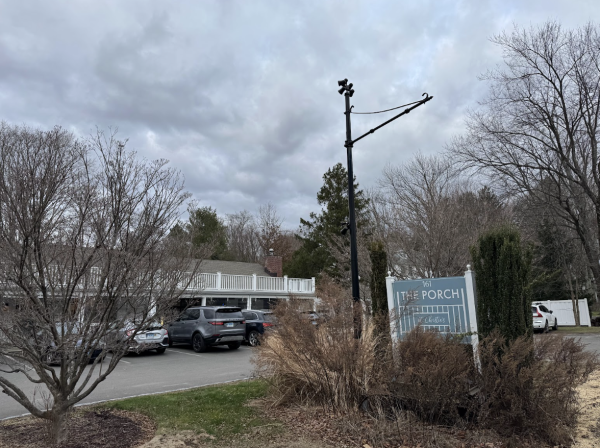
(319, 363)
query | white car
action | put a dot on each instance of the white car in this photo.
(543, 319)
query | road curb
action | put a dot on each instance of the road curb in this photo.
(140, 395)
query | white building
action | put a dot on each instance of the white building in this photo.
(247, 285)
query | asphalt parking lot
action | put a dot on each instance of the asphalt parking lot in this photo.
(178, 368)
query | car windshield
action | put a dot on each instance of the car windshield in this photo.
(534, 309)
(229, 313)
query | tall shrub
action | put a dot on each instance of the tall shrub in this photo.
(502, 267)
(379, 267)
(379, 305)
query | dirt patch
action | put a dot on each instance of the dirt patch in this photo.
(588, 428)
(86, 429)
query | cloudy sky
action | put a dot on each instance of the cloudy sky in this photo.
(241, 96)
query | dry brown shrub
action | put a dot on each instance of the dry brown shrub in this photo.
(525, 392)
(319, 364)
(433, 375)
(529, 390)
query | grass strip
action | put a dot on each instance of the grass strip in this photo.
(579, 330)
(220, 411)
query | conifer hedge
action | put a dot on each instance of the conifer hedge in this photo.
(502, 268)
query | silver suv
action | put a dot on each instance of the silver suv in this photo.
(209, 325)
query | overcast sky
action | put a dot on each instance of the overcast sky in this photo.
(241, 96)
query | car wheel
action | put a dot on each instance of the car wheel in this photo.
(253, 340)
(555, 327)
(160, 350)
(546, 327)
(198, 343)
(234, 345)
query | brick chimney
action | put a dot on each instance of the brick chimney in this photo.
(274, 265)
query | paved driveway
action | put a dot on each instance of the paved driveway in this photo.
(591, 341)
(179, 367)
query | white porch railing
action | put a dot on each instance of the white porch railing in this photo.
(237, 283)
(214, 282)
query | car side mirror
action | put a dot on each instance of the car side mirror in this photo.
(550, 311)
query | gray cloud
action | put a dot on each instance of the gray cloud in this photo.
(241, 96)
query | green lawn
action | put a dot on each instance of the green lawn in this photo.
(579, 330)
(220, 411)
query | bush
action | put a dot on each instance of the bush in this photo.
(530, 390)
(318, 364)
(503, 271)
(525, 389)
(432, 376)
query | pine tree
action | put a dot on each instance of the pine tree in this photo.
(316, 233)
(204, 228)
(503, 297)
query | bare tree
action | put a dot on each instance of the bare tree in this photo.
(429, 216)
(269, 227)
(271, 235)
(537, 132)
(242, 237)
(83, 246)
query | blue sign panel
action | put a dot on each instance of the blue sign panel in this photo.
(439, 303)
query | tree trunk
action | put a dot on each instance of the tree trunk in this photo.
(574, 302)
(56, 427)
(576, 307)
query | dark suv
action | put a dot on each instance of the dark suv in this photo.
(256, 323)
(209, 325)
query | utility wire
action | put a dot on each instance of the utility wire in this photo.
(387, 110)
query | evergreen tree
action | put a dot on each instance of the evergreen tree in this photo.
(550, 257)
(503, 297)
(379, 305)
(316, 233)
(379, 269)
(204, 228)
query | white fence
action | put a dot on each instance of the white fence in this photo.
(235, 283)
(563, 310)
(207, 282)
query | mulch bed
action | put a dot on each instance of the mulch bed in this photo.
(85, 429)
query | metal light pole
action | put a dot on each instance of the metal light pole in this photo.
(347, 90)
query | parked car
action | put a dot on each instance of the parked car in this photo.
(311, 316)
(71, 344)
(256, 324)
(543, 318)
(207, 326)
(152, 337)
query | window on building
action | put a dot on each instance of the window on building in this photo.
(241, 302)
(264, 304)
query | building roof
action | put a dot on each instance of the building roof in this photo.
(232, 267)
